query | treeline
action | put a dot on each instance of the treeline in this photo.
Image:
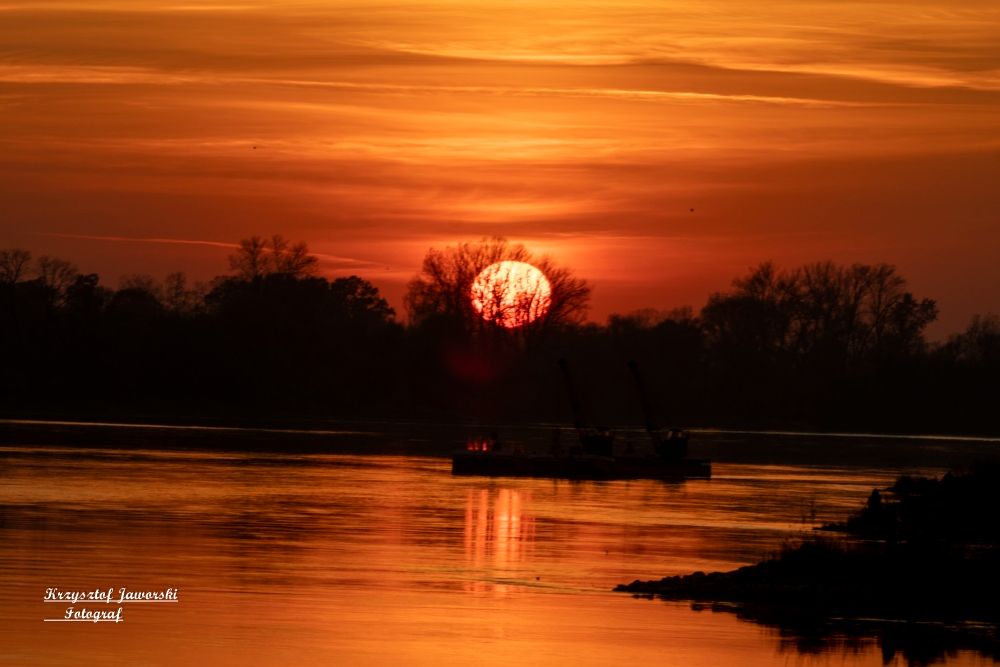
(819, 347)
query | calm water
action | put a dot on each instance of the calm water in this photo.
(389, 560)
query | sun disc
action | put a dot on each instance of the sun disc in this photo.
(511, 294)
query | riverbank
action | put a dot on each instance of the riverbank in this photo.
(920, 551)
(902, 581)
(362, 436)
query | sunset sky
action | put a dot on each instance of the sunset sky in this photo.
(146, 136)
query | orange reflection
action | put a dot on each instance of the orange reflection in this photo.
(498, 533)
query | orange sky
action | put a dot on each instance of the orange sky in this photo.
(796, 130)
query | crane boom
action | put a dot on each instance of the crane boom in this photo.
(592, 440)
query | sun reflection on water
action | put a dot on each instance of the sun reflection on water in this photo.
(499, 534)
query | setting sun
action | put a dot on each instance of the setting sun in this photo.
(511, 294)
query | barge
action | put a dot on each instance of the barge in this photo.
(596, 457)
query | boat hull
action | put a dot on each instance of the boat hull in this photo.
(497, 464)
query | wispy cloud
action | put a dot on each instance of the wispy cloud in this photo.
(659, 145)
(139, 239)
(96, 75)
(333, 259)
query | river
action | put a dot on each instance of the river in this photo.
(345, 559)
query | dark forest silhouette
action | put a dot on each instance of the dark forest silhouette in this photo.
(821, 347)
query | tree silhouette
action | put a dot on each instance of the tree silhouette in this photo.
(257, 257)
(14, 265)
(819, 346)
(840, 313)
(178, 298)
(291, 259)
(357, 300)
(250, 261)
(56, 274)
(443, 288)
(85, 298)
(979, 344)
